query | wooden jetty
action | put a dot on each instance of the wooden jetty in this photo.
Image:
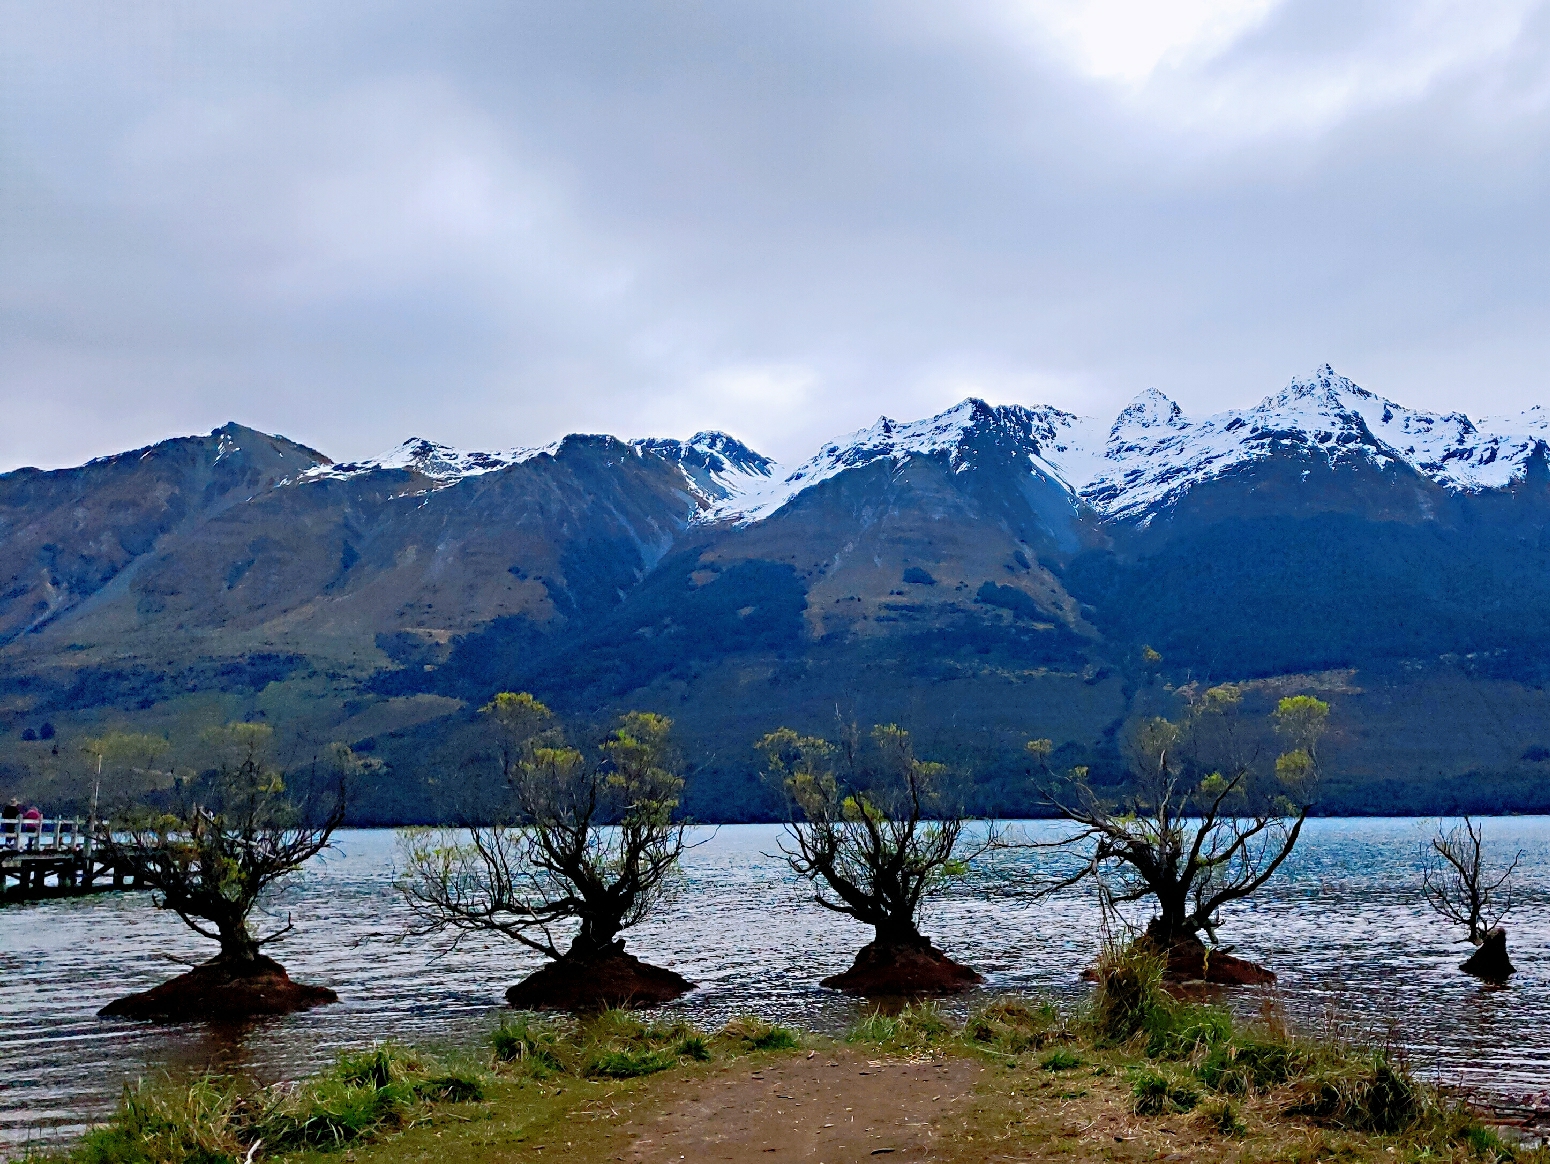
(42, 858)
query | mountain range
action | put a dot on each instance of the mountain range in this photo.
(983, 576)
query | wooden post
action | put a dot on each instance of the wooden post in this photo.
(91, 823)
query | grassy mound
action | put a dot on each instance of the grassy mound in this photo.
(214, 1121)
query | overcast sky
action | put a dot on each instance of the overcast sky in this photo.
(490, 224)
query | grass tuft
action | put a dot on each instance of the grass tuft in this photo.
(694, 1047)
(188, 1125)
(453, 1087)
(1060, 1060)
(533, 1046)
(630, 1064)
(1246, 1065)
(210, 1121)
(1365, 1096)
(1154, 1093)
(758, 1035)
(1129, 991)
(1484, 1142)
(1015, 1026)
(917, 1027)
(1222, 1117)
(1178, 1030)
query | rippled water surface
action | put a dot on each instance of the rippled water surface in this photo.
(1342, 924)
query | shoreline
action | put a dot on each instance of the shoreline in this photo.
(1020, 1079)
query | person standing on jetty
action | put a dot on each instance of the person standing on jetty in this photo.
(31, 820)
(10, 825)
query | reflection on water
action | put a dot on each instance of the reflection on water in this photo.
(1343, 925)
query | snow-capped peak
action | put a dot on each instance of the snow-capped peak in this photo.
(1150, 409)
(1047, 436)
(441, 464)
(1153, 454)
(720, 468)
(1147, 466)
(1142, 463)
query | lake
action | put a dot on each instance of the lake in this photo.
(1342, 924)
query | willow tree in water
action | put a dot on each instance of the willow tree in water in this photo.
(1460, 886)
(587, 847)
(221, 843)
(1203, 825)
(870, 826)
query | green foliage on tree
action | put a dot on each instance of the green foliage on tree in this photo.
(869, 825)
(587, 837)
(1205, 823)
(227, 836)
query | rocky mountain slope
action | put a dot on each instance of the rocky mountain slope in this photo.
(985, 574)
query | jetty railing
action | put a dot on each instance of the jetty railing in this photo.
(39, 834)
(59, 857)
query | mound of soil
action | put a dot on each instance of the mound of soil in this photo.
(221, 990)
(1190, 961)
(1490, 961)
(903, 969)
(612, 979)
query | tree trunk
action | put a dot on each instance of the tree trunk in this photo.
(595, 939)
(1490, 961)
(237, 945)
(898, 934)
(1170, 927)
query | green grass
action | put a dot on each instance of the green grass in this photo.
(382, 1088)
(695, 1047)
(757, 1035)
(1129, 992)
(614, 1044)
(1365, 1094)
(213, 1121)
(532, 1045)
(1015, 1026)
(189, 1125)
(1337, 1086)
(1222, 1117)
(631, 1064)
(1484, 1142)
(916, 1027)
(1242, 1065)
(1155, 1093)
(1061, 1060)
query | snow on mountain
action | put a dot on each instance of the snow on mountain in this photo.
(441, 464)
(1149, 458)
(716, 467)
(1052, 441)
(1153, 454)
(720, 468)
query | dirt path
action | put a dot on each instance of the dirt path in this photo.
(825, 1109)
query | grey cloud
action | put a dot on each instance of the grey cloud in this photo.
(490, 224)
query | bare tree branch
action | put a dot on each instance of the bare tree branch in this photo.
(873, 833)
(1202, 827)
(1456, 883)
(587, 841)
(234, 834)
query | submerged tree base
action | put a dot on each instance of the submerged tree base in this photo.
(220, 989)
(1189, 960)
(601, 982)
(903, 968)
(1490, 961)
